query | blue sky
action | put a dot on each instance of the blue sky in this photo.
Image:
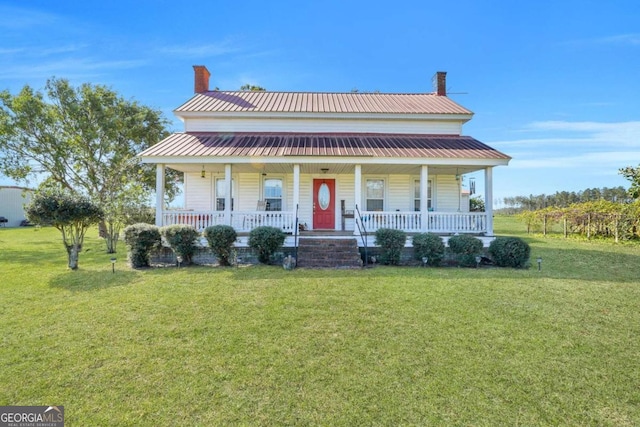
(554, 84)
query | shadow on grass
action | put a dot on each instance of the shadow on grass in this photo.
(92, 280)
(587, 264)
(33, 251)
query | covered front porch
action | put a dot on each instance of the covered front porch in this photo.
(232, 195)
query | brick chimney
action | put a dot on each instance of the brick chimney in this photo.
(201, 79)
(440, 83)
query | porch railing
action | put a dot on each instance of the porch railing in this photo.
(199, 220)
(409, 221)
(247, 221)
(438, 222)
(457, 222)
(242, 221)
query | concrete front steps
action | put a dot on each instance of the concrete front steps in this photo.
(328, 253)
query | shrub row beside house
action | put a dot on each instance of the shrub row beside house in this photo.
(142, 239)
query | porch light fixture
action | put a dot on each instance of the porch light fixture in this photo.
(324, 170)
(203, 174)
(539, 260)
(113, 265)
(179, 259)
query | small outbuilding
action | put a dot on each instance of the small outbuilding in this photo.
(12, 202)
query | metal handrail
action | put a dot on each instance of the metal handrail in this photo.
(295, 236)
(363, 234)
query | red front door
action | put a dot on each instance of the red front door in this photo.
(324, 204)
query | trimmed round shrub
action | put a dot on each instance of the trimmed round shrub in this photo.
(428, 245)
(141, 239)
(221, 239)
(182, 239)
(391, 243)
(465, 248)
(266, 241)
(510, 252)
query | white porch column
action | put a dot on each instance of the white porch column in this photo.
(488, 199)
(159, 193)
(424, 197)
(357, 194)
(227, 198)
(296, 187)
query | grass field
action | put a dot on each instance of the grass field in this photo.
(260, 345)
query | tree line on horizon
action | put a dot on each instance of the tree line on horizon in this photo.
(564, 199)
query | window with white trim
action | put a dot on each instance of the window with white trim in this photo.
(374, 194)
(416, 195)
(272, 192)
(221, 193)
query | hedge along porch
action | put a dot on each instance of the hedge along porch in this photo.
(334, 162)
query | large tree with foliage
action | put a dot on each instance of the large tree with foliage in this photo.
(69, 213)
(633, 175)
(252, 88)
(84, 139)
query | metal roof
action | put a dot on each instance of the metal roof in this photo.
(321, 102)
(196, 144)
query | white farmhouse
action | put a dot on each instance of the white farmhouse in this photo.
(341, 163)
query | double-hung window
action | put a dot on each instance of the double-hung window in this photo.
(221, 193)
(375, 194)
(273, 193)
(416, 195)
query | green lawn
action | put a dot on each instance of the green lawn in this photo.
(264, 346)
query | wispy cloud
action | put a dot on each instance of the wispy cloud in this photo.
(204, 50)
(595, 148)
(611, 160)
(631, 39)
(72, 68)
(11, 51)
(561, 125)
(18, 18)
(57, 50)
(575, 134)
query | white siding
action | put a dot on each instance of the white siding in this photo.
(305, 213)
(198, 192)
(435, 127)
(287, 193)
(399, 193)
(12, 201)
(248, 191)
(448, 194)
(346, 191)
